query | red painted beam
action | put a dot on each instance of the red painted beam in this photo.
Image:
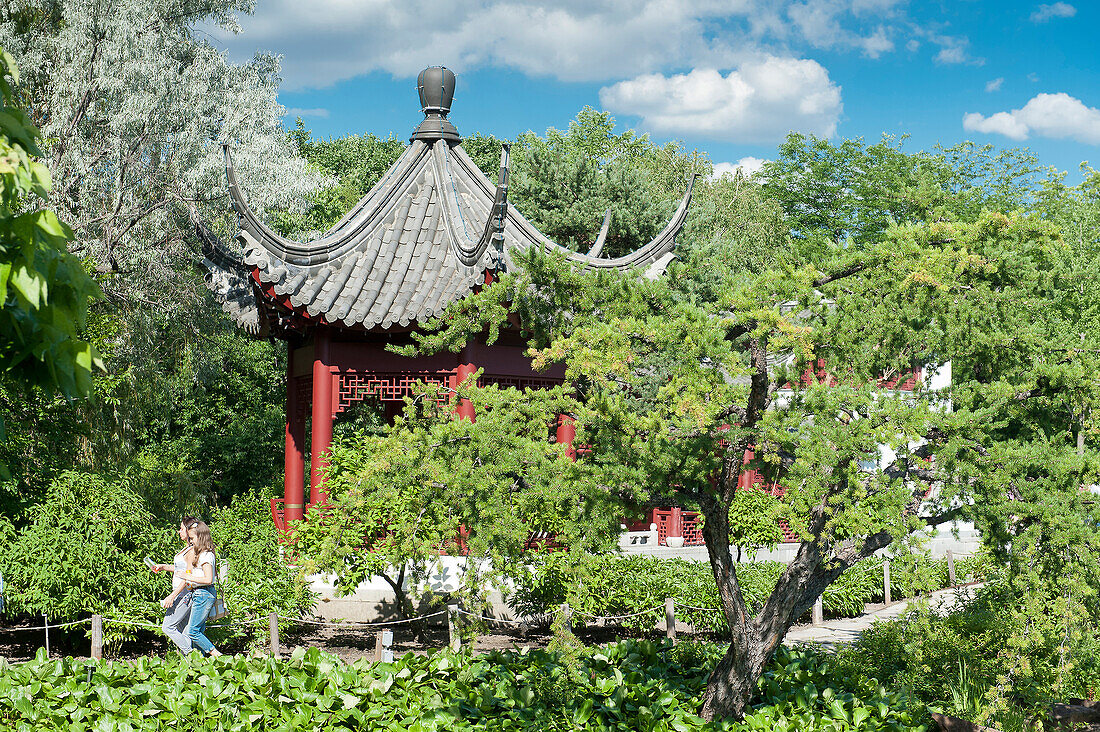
(466, 369)
(321, 437)
(294, 449)
(566, 433)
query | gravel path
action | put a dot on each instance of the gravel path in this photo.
(835, 632)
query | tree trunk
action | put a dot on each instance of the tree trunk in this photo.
(401, 598)
(732, 684)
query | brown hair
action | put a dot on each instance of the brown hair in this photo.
(202, 541)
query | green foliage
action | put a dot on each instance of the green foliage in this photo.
(221, 412)
(352, 165)
(607, 585)
(81, 554)
(991, 657)
(631, 685)
(804, 689)
(192, 406)
(850, 194)
(44, 291)
(966, 695)
(566, 181)
(399, 498)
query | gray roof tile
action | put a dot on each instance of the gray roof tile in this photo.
(395, 257)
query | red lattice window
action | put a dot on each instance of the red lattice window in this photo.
(388, 387)
(663, 518)
(690, 526)
(692, 529)
(789, 535)
(905, 381)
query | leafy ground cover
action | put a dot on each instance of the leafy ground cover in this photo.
(612, 585)
(630, 685)
(1000, 657)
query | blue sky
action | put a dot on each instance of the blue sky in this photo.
(728, 77)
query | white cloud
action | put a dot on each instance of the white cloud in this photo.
(758, 102)
(748, 166)
(953, 49)
(325, 41)
(995, 84)
(1058, 10)
(1001, 123)
(1045, 115)
(819, 22)
(313, 112)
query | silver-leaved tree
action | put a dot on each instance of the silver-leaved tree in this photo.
(134, 105)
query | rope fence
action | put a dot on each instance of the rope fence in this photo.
(453, 613)
(46, 626)
(360, 623)
(699, 609)
(605, 618)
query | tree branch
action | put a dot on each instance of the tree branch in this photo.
(841, 274)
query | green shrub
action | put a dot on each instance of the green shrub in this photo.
(81, 554)
(632, 685)
(804, 690)
(609, 585)
(987, 653)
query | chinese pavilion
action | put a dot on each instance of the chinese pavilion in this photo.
(430, 232)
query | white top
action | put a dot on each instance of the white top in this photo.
(179, 567)
(206, 558)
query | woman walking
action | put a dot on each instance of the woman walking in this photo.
(200, 577)
(178, 616)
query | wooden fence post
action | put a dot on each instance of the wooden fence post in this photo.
(452, 628)
(950, 569)
(819, 611)
(886, 580)
(273, 628)
(97, 637)
(567, 615)
(46, 627)
(385, 646)
(670, 619)
(377, 646)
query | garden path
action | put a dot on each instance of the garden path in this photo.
(846, 630)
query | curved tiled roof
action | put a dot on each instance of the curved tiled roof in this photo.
(421, 239)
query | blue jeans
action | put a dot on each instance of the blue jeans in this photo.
(177, 622)
(201, 600)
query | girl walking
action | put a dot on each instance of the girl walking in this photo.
(177, 617)
(200, 577)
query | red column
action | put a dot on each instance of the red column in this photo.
(321, 437)
(566, 433)
(294, 456)
(676, 523)
(466, 368)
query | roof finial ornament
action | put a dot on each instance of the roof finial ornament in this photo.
(436, 85)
